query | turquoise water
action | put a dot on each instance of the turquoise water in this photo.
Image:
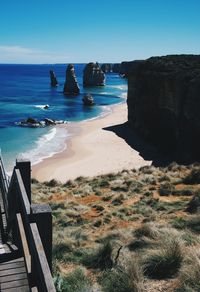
(25, 88)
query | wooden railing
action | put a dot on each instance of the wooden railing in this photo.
(29, 226)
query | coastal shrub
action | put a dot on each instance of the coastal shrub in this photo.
(52, 183)
(164, 262)
(193, 177)
(120, 279)
(190, 238)
(34, 181)
(140, 243)
(100, 259)
(147, 230)
(166, 189)
(194, 204)
(97, 223)
(70, 183)
(193, 223)
(76, 281)
(118, 200)
(60, 248)
(184, 192)
(190, 273)
(179, 223)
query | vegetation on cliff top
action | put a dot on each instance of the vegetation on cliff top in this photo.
(135, 230)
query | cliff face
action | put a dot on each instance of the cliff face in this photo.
(164, 103)
(71, 86)
(93, 75)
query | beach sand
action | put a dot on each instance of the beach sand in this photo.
(91, 150)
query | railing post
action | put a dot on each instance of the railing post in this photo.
(42, 216)
(24, 167)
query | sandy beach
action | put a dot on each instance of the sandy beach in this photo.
(91, 150)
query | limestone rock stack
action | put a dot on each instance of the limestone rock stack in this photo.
(106, 68)
(71, 86)
(53, 78)
(93, 75)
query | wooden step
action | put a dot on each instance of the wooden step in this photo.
(13, 276)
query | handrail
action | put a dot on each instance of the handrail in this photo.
(24, 243)
(39, 256)
(23, 195)
(4, 182)
(25, 231)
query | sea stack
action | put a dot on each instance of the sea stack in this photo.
(93, 75)
(71, 86)
(164, 104)
(54, 81)
(106, 68)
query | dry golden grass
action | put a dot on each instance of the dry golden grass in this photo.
(143, 214)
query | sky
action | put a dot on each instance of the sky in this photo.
(80, 31)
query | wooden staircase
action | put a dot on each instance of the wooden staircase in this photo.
(13, 275)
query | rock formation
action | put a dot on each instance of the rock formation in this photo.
(164, 103)
(88, 99)
(71, 86)
(93, 75)
(116, 68)
(54, 81)
(106, 68)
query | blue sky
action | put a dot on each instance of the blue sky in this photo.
(62, 31)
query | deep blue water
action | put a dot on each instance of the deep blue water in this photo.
(23, 88)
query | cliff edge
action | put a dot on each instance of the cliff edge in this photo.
(164, 103)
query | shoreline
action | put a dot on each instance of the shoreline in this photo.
(91, 150)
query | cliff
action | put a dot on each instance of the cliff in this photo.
(164, 103)
(71, 86)
(93, 75)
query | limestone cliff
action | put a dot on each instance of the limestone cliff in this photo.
(71, 86)
(93, 75)
(164, 103)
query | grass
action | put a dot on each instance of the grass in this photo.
(75, 281)
(194, 204)
(164, 262)
(60, 249)
(193, 177)
(190, 273)
(101, 259)
(147, 230)
(123, 279)
(93, 217)
(166, 189)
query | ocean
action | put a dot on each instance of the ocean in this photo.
(24, 89)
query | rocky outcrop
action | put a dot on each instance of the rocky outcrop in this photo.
(71, 86)
(88, 99)
(164, 103)
(93, 75)
(106, 68)
(54, 81)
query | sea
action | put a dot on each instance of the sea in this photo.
(25, 89)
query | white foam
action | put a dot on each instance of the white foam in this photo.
(46, 146)
(122, 86)
(41, 106)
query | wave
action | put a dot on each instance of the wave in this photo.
(121, 86)
(46, 146)
(41, 106)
